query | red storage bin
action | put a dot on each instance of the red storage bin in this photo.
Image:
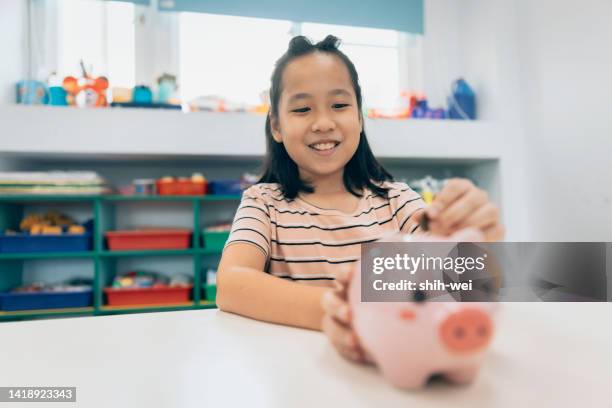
(181, 187)
(147, 296)
(149, 239)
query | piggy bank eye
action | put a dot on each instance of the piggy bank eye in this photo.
(419, 296)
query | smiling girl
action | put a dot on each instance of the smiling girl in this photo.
(321, 196)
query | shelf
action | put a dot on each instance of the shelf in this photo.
(45, 255)
(85, 311)
(161, 252)
(206, 304)
(89, 311)
(221, 197)
(154, 133)
(106, 253)
(147, 308)
(150, 252)
(171, 198)
(20, 198)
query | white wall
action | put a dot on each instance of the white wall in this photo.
(566, 83)
(12, 47)
(477, 40)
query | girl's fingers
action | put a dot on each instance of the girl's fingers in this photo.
(336, 307)
(343, 276)
(467, 235)
(484, 217)
(495, 232)
(342, 337)
(453, 189)
(461, 208)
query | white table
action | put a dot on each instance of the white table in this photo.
(544, 354)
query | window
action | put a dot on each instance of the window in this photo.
(234, 56)
(101, 34)
(229, 56)
(374, 52)
(226, 56)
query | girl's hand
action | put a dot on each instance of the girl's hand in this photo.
(337, 320)
(460, 205)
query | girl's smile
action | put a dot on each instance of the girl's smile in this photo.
(325, 147)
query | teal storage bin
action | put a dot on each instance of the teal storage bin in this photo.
(210, 292)
(215, 240)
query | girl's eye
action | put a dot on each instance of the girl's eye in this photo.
(300, 110)
(340, 105)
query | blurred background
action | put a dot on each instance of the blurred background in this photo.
(121, 115)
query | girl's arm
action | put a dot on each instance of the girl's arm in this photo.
(245, 289)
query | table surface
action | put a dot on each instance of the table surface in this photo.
(544, 354)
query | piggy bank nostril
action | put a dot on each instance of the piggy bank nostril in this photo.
(482, 331)
(459, 332)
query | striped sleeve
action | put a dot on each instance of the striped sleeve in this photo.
(252, 222)
(405, 205)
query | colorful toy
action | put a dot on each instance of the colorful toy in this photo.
(166, 89)
(87, 91)
(411, 341)
(142, 94)
(462, 101)
(32, 93)
(91, 93)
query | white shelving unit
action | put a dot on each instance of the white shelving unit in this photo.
(28, 129)
(123, 144)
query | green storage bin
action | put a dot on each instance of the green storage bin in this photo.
(210, 292)
(215, 240)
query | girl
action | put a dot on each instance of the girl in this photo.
(322, 194)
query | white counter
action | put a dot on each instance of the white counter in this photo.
(544, 354)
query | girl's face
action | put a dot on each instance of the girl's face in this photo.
(318, 119)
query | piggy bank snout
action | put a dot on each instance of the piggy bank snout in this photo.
(467, 330)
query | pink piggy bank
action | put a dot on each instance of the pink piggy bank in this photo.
(413, 340)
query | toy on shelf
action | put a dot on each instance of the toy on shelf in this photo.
(52, 222)
(121, 95)
(30, 92)
(462, 101)
(86, 91)
(194, 185)
(403, 112)
(143, 186)
(145, 279)
(421, 110)
(264, 106)
(76, 292)
(142, 94)
(167, 89)
(142, 288)
(52, 182)
(427, 187)
(51, 232)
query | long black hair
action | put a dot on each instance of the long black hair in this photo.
(362, 170)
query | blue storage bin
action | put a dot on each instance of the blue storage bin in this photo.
(225, 187)
(44, 300)
(45, 243)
